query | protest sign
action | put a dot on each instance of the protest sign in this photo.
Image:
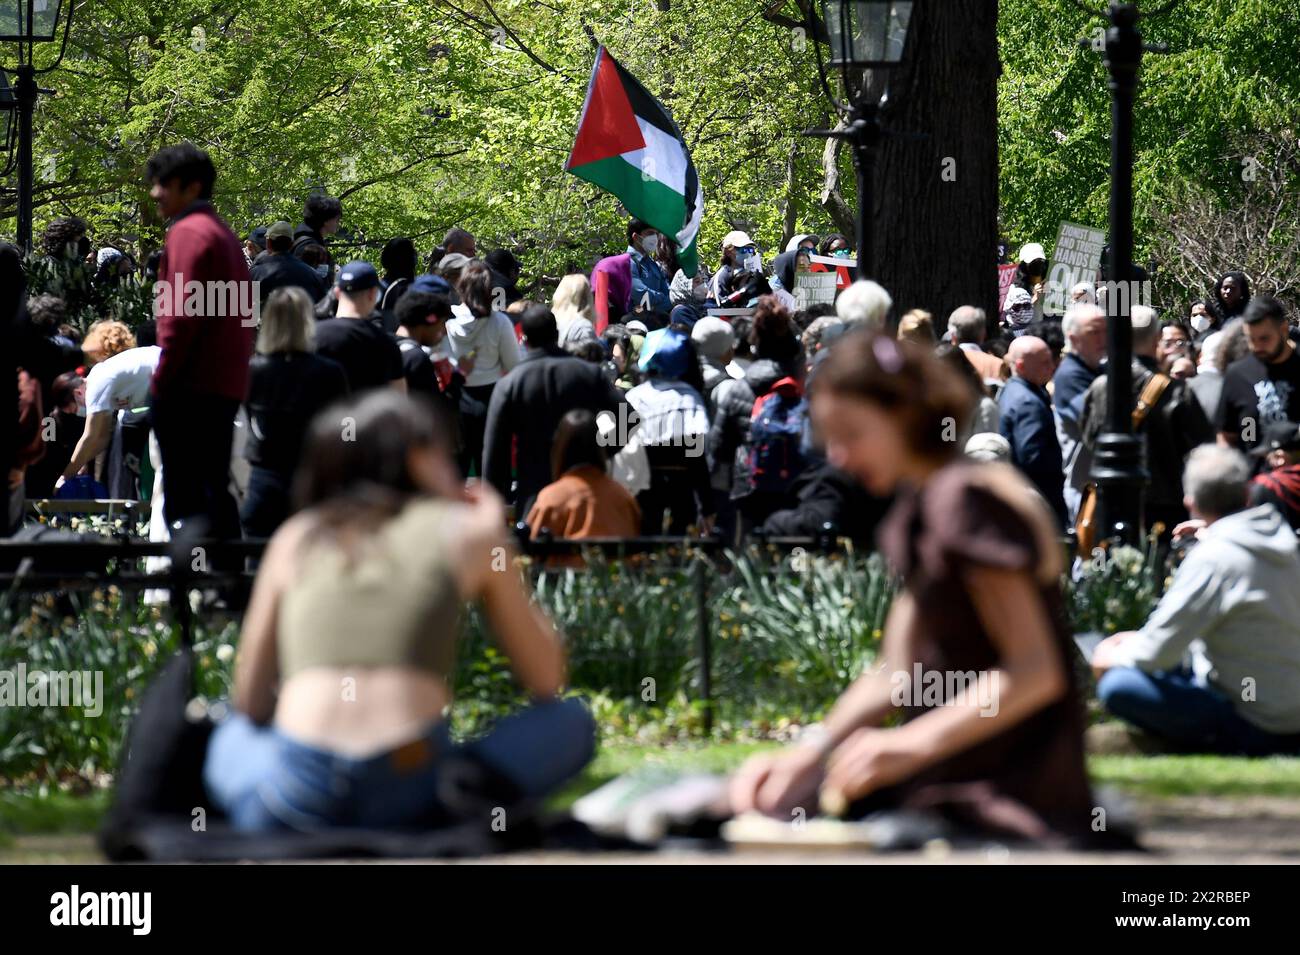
(1076, 257)
(814, 288)
(1006, 276)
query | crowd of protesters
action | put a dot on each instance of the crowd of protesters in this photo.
(348, 399)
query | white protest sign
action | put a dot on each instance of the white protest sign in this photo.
(814, 288)
(1076, 257)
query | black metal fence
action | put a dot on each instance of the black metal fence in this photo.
(228, 566)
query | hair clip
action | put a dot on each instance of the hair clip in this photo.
(887, 355)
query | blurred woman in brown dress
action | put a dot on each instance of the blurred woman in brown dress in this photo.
(976, 656)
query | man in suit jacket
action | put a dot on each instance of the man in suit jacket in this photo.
(1027, 421)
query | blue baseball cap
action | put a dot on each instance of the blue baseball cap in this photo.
(665, 351)
(428, 282)
(357, 277)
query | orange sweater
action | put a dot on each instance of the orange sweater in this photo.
(585, 502)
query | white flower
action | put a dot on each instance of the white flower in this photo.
(1128, 560)
(225, 653)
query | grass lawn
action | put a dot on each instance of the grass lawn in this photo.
(1149, 777)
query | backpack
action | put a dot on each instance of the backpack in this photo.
(776, 431)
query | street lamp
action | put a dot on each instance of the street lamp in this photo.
(28, 22)
(862, 35)
(6, 113)
(1117, 466)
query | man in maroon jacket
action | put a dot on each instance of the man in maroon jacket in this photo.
(204, 302)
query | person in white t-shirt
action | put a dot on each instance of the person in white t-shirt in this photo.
(116, 384)
(482, 342)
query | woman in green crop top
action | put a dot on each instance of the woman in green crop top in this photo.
(342, 681)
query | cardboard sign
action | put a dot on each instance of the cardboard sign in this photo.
(1076, 257)
(814, 288)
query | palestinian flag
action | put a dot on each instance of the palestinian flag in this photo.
(629, 146)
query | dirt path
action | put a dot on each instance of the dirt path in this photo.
(1185, 830)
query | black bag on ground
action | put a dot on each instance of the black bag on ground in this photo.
(160, 778)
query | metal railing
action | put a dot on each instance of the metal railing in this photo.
(96, 562)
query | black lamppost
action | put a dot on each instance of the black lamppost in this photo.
(6, 115)
(863, 35)
(1117, 467)
(28, 22)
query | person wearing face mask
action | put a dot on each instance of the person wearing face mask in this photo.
(689, 295)
(738, 251)
(649, 284)
(1201, 322)
(1031, 275)
(837, 247)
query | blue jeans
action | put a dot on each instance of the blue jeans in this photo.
(266, 502)
(1171, 705)
(264, 780)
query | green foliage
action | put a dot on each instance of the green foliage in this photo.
(425, 116)
(107, 633)
(418, 117)
(789, 633)
(1233, 69)
(1117, 589)
(71, 280)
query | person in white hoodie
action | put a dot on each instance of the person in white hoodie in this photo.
(1216, 667)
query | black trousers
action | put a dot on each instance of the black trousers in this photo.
(473, 422)
(194, 435)
(266, 502)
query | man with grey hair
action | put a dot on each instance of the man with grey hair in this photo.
(864, 303)
(1172, 425)
(1217, 664)
(968, 326)
(1084, 326)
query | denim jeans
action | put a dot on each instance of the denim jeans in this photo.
(266, 503)
(1173, 706)
(264, 780)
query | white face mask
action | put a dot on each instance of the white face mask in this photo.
(754, 263)
(650, 244)
(1200, 322)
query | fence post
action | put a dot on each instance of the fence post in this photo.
(705, 642)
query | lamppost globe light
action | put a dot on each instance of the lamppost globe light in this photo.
(7, 107)
(26, 23)
(29, 21)
(863, 35)
(867, 34)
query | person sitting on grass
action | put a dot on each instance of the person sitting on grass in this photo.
(349, 642)
(976, 656)
(1233, 609)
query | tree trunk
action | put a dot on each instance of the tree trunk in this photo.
(936, 195)
(790, 208)
(832, 199)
